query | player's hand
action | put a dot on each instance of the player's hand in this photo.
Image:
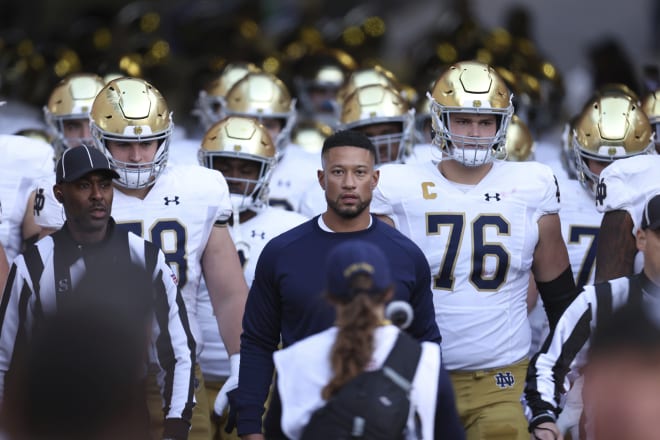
(230, 384)
(547, 431)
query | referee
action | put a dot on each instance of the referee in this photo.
(46, 279)
(563, 354)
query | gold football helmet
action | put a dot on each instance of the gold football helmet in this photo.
(651, 106)
(310, 135)
(519, 141)
(610, 128)
(366, 77)
(375, 106)
(262, 96)
(241, 138)
(132, 110)
(475, 88)
(319, 76)
(71, 100)
(208, 107)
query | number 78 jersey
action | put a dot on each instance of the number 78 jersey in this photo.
(178, 215)
(479, 241)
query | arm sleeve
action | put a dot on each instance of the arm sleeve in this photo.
(261, 335)
(447, 422)
(562, 352)
(175, 350)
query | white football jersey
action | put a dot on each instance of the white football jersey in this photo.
(250, 238)
(177, 215)
(479, 241)
(24, 162)
(292, 175)
(580, 223)
(48, 212)
(627, 184)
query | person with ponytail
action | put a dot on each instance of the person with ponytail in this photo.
(312, 370)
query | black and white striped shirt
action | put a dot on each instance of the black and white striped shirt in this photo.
(564, 353)
(43, 279)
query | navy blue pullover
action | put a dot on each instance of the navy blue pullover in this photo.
(286, 301)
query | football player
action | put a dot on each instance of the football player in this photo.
(265, 97)
(242, 150)
(319, 76)
(484, 225)
(67, 118)
(25, 163)
(209, 104)
(625, 186)
(67, 110)
(610, 127)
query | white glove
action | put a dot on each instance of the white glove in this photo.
(230, 384)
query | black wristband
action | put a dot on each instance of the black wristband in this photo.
(557, 295)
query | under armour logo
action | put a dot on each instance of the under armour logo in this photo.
(258, 234)
(504, 380)
(495, 196)
(601, 192)
(39, 201)
(557, 186)
(175, 200)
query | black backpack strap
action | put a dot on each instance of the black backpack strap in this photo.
(401, 364)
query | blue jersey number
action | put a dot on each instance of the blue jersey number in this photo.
(481, 249)
(176, 257)
(575, 236)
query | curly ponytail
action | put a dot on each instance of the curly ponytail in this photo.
(354, 345)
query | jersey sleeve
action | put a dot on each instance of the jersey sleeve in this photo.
(384, 195)
(549, 202)
(626, 184)
(48, 212)
(224, 210)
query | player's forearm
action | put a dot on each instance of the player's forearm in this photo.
(229, 315)
(616, 248)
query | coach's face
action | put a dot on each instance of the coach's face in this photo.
(87, 204)
(348, 178)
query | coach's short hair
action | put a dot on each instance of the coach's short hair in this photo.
(348, 138)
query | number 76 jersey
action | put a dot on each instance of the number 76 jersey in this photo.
(479, 242)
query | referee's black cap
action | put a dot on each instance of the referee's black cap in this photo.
(651, 215)
(79, 161)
